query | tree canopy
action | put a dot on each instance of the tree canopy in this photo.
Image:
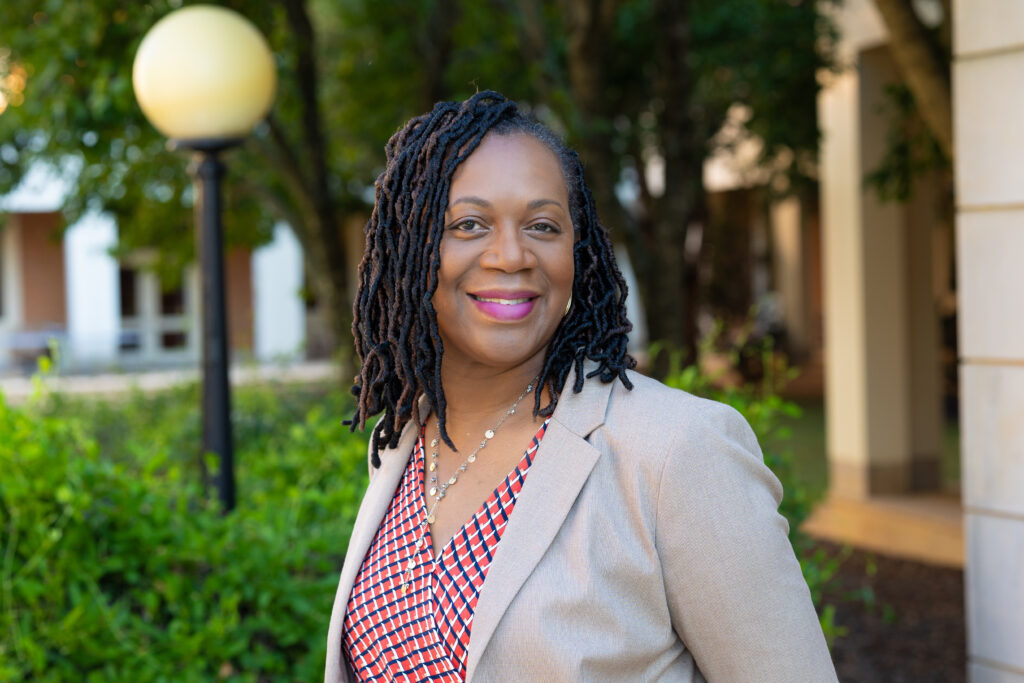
(627, 81)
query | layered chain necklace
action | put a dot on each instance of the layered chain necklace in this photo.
(437, 491)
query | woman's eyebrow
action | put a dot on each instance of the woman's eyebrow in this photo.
(480, 201)
(472, 200)
(537, 203)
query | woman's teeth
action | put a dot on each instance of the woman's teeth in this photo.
(504, 302)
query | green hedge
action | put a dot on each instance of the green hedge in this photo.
(114, 566)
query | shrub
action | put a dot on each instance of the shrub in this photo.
(116, 567)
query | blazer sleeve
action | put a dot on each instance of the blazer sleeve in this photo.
(737, 597)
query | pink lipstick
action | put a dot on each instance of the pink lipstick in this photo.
(505, 305)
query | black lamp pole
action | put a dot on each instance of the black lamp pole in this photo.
(207, 170)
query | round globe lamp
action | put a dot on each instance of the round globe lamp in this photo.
(203, 73)
(204, 76)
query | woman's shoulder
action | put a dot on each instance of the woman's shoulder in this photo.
(674, 410)
(686, 438)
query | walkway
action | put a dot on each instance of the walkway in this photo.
(925, 528)
(19, 389)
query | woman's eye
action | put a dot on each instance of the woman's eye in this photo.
(467, 225)
(544, 226)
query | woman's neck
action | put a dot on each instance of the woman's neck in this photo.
(475, 395)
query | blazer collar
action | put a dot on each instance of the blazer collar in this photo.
(371, 511)
(560, 469)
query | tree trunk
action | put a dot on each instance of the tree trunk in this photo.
(924, 69)
(435, 46)
(672, 310)
(323, 241)
(589, 24)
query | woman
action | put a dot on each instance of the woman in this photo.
(617, 530)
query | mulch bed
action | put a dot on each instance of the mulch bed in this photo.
(904, 620)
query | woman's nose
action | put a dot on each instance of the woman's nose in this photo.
(508, 250)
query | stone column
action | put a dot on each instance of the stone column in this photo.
(867, 386)
(988, 80)
(789, 266)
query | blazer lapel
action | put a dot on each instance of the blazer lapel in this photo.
(560, 469)
(371, 511)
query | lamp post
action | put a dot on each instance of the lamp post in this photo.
(204, 76)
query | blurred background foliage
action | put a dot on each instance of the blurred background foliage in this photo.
(627, 81)
(115, 565)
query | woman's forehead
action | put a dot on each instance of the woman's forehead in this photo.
(506, 162)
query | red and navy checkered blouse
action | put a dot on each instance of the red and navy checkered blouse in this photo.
(423, 633)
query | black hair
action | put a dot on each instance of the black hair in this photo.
(394, 324)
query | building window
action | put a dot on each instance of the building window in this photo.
(173, 340)
(156, 320)
(129, 295)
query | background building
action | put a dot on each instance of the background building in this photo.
(64, 288)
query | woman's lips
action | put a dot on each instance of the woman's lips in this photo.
(505, 306)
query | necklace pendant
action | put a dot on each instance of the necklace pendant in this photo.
(471, 458)
(405, 588)
(433, 466)
(430, 519)
(451, 481)
(433, 491)
(489, 434)
(433, 443)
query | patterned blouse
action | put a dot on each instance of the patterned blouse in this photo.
(422, 633)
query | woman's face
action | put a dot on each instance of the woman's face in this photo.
(506, 267)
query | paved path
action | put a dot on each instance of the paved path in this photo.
(921, 527)
(19, 389)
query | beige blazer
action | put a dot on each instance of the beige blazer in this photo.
(645, 546)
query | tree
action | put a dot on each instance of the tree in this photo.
(655, 80)
(629, 81)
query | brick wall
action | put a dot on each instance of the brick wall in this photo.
(42, 270)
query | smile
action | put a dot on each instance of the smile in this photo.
(514, 306)
(503, 302)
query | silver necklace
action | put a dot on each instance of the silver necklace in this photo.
(438, 491)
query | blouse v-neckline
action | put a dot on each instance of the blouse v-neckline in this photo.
(424, 631)
(420, 467)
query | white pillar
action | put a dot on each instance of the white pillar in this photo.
(988, 80)
(10, 288)
(278, 308)
(92, 292)
(790, 268)
(866, 379)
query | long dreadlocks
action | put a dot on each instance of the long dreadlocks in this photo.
(394, 325)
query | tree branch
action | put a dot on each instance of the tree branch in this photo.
(925, 73)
